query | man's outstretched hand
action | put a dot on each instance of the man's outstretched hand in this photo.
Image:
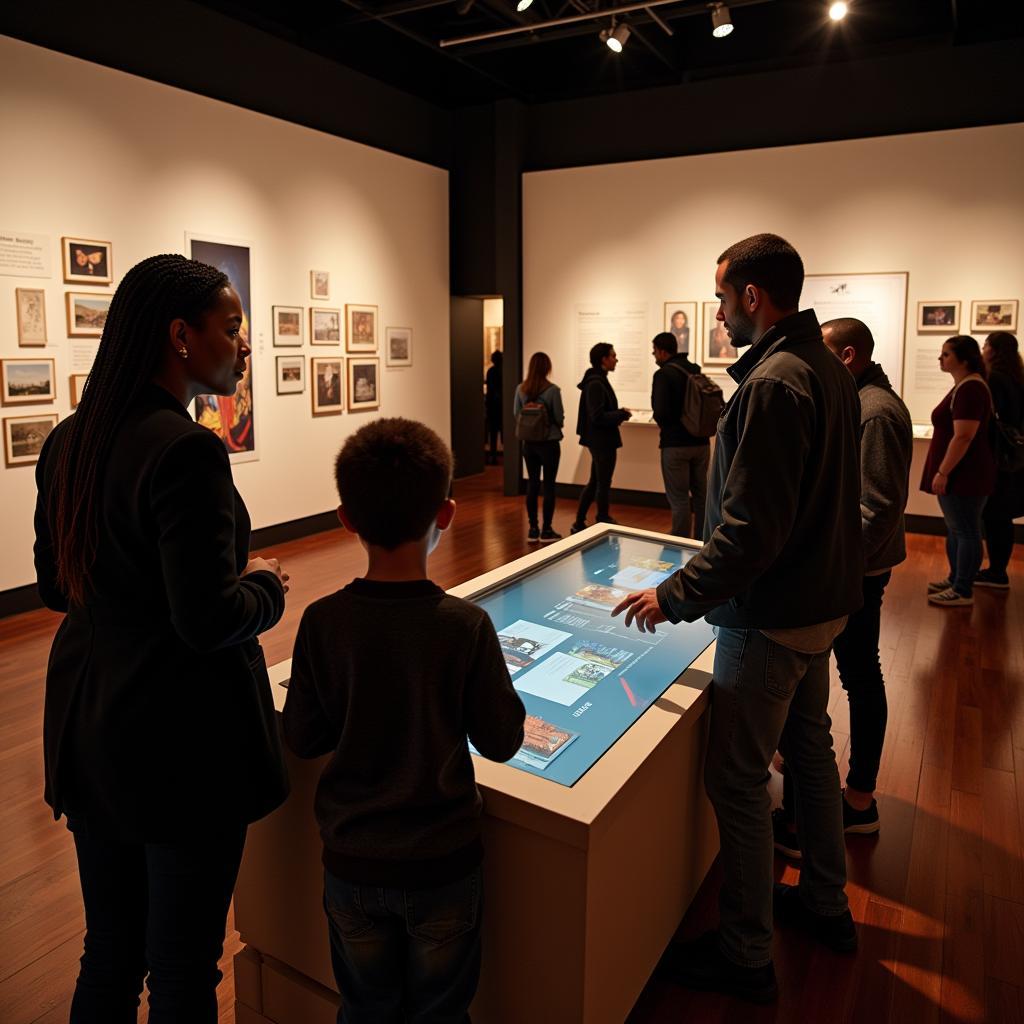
(642, 608)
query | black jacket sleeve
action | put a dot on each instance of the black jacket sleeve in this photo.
(661, 399)
(494, 711)
(598, 411)
(307, 729)
(192, 500)
(44, 551)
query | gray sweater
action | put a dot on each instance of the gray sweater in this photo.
(886, 448)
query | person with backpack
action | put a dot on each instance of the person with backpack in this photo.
(684, 455)
(539, 417)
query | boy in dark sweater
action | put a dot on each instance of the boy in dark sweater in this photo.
(389, 675)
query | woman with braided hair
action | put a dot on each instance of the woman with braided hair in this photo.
(160, 743)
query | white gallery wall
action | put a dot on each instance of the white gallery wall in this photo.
(99, 154)
(946, 207)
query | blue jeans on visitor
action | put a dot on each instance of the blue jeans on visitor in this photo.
(405, 955)
(767, 697)
(963, 539)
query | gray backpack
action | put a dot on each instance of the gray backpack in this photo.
(703, 403)
(533, 422)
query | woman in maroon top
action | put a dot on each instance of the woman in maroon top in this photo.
(960, 468)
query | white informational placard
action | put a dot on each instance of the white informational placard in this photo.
(24, 254)
(879, 300)
(926, 383)
(624, 326)
(83, 354)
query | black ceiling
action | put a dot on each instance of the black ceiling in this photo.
(398, 41)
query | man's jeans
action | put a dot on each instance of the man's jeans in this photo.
(766, 697)
(405, 955)
(685, 472)
(963, 539)
(602, 467)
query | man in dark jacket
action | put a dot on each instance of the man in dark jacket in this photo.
(597, 424)
(684, 458)
(779, 573)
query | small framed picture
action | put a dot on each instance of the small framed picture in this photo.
(360, 328)
(327, 385)
(320, 285)
(718, 346)
(993, 315)
(31, 303)
(291, 375)
(324, 326)
(24, 437)
(76, 385)
(398, 346)
(86, 261)
(27, 381)
(938, 317)
(287, 326)
(681, 320)
(87, 313)
(363, 384)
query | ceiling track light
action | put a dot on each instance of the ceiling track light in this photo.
(616, 37)
(721, 20)
(523, 5)
(838, 10)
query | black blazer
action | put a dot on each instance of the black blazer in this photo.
(159, 720)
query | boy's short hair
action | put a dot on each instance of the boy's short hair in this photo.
(769, 262)
(392, 476)
(599, 353)
(666, 342)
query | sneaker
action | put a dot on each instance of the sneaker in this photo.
(860, 823)
(837, 932)
(987, 578)
(576, 527)
(702, 965)
(949, 598)
(547, 535)
(934, 588)
(785, 840)
(608, 520)
(534, 535)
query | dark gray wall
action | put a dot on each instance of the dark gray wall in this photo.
(467, 331)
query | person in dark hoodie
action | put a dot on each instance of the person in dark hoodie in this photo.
(598, 427)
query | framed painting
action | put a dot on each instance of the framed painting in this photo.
(363, 384)
(360, 328)
(287, 326)
(86, 261)
(324, 326)
(939, 316)
(31, 304)
(988, 315)
(76, 385)
(87, 313)
(27, 381)
(328, 397)
(291, 375)
(24, 437)
(681, 320)
(398, 346)
(718, 347)
(320, 285)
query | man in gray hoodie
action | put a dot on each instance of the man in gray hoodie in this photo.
(886, 448)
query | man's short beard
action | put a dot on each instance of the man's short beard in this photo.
(742, 332)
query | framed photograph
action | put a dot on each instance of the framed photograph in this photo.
(718, 347)
(989, 315)
(360, 328)
(24, 437)
(398, 346)
(291, 375)
(938, 317)
(87, 261)
(324, 326)
(681, 320)
(319, 285)
(87, 313)
(327, 385)
(27, 381)
(76, 385)
(363, 384)
(31, 303)
(287, 326)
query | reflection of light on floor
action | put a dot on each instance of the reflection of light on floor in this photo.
(928, 983)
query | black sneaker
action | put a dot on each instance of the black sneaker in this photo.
(988, 578)
(785, 840)
(547, 535)
(838, 932)
(576, 527)
(702, 965)
(533, 535)
(608, 520)
(860, 823)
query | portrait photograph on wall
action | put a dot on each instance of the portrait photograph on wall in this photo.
(24, 437)
(287, 326)
(363, 384)
(718, 347)
(76, 385)
(27, 381)
(87, 262)
(398, 346)
(231, 417)
(291, 375)
(327, 385)
(86, 313)
(319, 285)
(360, 328)
(993, 315)
(31, 308)
(324, 326)
(681, 320)
(938, 317)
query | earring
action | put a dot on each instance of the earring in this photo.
(183, 352)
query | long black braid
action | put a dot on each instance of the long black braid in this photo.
(152, 294)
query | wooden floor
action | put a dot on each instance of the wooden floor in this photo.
(938, 896)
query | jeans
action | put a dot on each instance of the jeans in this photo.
(602, 466)
(541, 455)
(767, 697)
(997, 517)
(963, 539)
(685, 472)
(405, 955)
(156, 907)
